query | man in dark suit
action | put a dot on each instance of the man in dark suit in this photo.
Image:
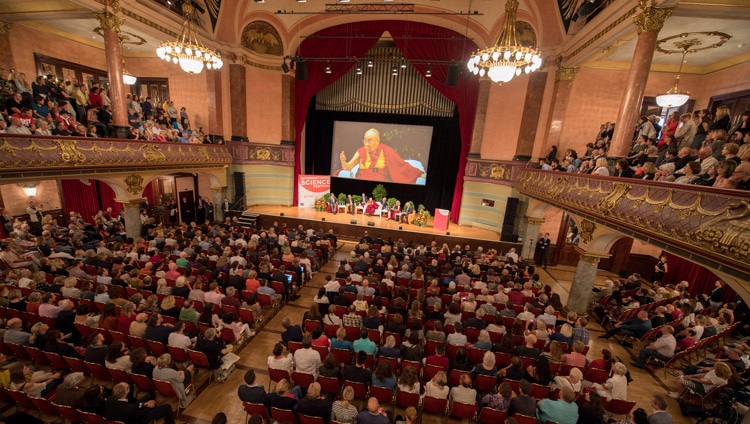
(145, 410)
(251, 392)
(542, 247)
(187, 211)
(408, 209)
(225, 208)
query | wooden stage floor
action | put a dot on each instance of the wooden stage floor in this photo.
(311, 214)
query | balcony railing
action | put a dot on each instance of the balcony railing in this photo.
(711, 226)
(37, 156)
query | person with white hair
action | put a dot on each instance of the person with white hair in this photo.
(69, 393)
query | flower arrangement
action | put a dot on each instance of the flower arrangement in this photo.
(321, 203)
(422, 216)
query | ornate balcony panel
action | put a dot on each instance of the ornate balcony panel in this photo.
(709, 226)
(39, 157)
(495, 172)
(262, 154)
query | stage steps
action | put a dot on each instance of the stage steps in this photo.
(248, 219)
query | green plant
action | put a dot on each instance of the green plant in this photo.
(321, 202)
(420, 208)
(357, 198)
(342, 198)
(422, 216)
(392, 202)
(379, 192)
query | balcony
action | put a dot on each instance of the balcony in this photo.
(26, 157)
(706, 225)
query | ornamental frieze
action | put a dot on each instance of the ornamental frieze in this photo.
(259, 153)
(712, 224)
(496, 172)
(48, 153)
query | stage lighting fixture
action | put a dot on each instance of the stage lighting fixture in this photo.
(328, 69)
(284, 66)
(352, 221)
(359, 69)
(428, 72)
(260, 1)
(370, 223)
(323, 219)
(403, 63)
(301, 1)
(281, 214)
(394, 70)
(447, 233)
(369, 64)
(400, 227)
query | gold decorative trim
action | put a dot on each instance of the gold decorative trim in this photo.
(603, 32)
(143, 20)
(221, 190)
(125, 37)
(5, 27)
(534, 221)
(109, 21)
(565, 74)
(727, 234)
(133, 204)
(586, 230)
(391, 108)
(134, 183)
(651, 18)
(69, 152)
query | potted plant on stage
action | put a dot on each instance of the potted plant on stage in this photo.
(321, 203)
(342, 198)
(379, 192)
(422, 216)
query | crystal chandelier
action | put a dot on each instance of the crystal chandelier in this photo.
(187, 50)
(674, 97)
(507, 58)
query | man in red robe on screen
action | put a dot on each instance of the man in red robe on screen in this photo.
(379, 162)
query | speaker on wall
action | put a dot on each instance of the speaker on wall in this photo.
(452, 78)
(370, 224)
(239, 185)
(301, 71)
(353, 221)
(511, 209)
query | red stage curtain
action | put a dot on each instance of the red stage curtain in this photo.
(148, 193)
(701, 280)
(107, 196)
(81, 198)
(360, 37)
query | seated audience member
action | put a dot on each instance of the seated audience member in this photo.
(330, 368)
(373, 414)
(616, 387)
(499, 400)
(437, 387)
(178, 379)
(342, 410)
(144, 410)
(562, 411)
(463, 393)
(358, 372)
(663, 348)
(313, 404)
(383, 375)
(69, 393)
(307, 360)
(281, 359)
(292, 333)
(523, 404)
(660, 415)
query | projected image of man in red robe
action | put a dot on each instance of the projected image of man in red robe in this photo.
(380, 162)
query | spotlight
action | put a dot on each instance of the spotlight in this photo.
(369, 64)
(284, 66)
(394, 70)
(403, 63)
(428, 72)
(328, 69)
(301, 1)
(359, 69)
(260, 1)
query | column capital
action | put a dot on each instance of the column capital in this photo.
(132, 204)
(222, 189)
(565, 74)
(109, 21)
(534, 221)
(5, 27)
(590, 257)
(651, 18)
(134, 182)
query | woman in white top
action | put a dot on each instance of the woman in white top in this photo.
(572, 381)
(437, 387)
(704, 383)
(409, 381)
(117, 359)
(616, 387)
(470, 304)
(601, 167)
(281, 359)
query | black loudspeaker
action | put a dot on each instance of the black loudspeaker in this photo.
(323, 219)
(511, 208)
(301, 71)
(239, 185)
(281, 214)
(447, 233)
(452, 79)
(353, 221)
(400, 227)
(370, 224)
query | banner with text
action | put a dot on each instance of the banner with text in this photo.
(311, 187)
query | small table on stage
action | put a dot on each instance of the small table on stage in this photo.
(441, 219)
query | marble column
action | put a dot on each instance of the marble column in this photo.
(485, 85)
(287, 107)
(530, 235)
(649, 22)
(219, 193)
(110, 24)
(532, 106)
(132, 214)
(583, 281)
(238, 98)
(6, 59)
(560, 97)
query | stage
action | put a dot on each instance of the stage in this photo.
(341, 225)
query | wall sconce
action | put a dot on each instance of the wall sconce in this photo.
(28, 189)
